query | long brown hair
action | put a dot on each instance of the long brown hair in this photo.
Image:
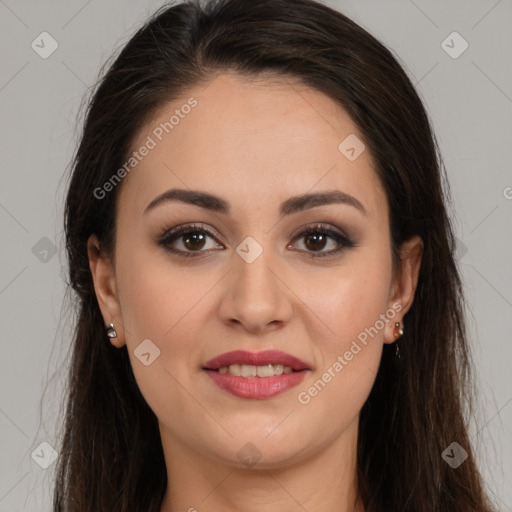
(111, 457)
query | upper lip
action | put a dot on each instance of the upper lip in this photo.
(256, 359)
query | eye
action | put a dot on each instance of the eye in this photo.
(317, 238)
(191, 237)
(193, 240)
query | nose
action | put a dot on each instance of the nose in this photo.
(255, 297)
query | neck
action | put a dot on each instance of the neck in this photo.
(324, 481)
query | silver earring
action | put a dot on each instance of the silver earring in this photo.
(111, 331)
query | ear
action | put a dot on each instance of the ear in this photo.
(102, 271)
(405, 283)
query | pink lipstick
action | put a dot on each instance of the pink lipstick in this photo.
(257, 375)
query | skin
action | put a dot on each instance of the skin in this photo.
(254, 144)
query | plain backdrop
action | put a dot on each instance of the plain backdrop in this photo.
(468, 95)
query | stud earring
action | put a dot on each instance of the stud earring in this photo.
(111, 331)
(398, 331)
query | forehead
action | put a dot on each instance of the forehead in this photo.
(254, 142)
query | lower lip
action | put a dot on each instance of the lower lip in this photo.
(257, 388)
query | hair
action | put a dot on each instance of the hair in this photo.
(111, 458)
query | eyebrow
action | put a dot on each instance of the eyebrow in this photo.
(288, 207)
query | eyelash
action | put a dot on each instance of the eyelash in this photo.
(170, 236)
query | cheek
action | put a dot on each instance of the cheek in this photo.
(350, 354)
(164, 304)
(353, 304)
(350, 300)
(156, 295)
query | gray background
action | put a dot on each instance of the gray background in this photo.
(469, 99)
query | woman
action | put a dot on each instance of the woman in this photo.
(270, 315)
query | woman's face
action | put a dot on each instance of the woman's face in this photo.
(245, 277)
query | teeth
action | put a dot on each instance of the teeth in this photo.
(245, 370)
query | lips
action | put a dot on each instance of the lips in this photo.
(256, 359)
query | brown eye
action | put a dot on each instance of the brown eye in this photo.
(194, 240)
(316, 242)
(187, 240)
(316, 239)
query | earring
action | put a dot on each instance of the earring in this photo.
(111, 331)
(398, 331)
(398, 360)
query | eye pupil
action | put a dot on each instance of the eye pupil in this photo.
(192, 238)
(319, 244)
